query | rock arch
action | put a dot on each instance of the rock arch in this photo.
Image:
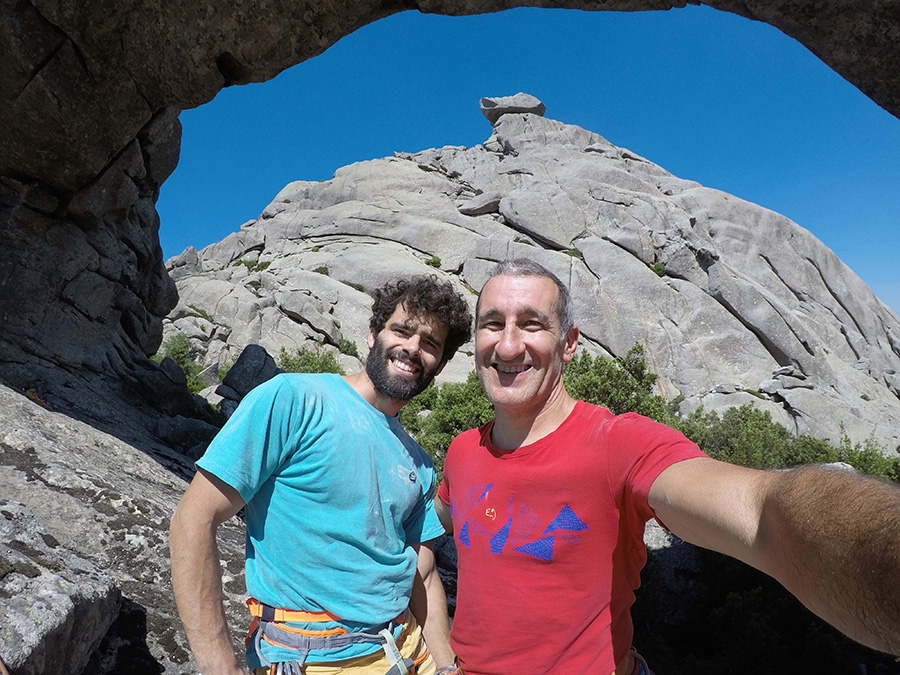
(89, 131)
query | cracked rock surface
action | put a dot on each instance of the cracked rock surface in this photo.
(733, 303)
(84, 558)
(89, 130)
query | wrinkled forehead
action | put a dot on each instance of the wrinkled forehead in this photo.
(517, 295)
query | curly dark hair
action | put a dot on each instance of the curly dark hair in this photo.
(421, 296)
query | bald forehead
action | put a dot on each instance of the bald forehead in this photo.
(518, 294)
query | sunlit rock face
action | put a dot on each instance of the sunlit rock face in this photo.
(733, 303)
(88, 131)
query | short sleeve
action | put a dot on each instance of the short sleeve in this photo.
(641, 449)
(425, 523)
(443, 492)
(257, 438)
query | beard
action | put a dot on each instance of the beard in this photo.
(396, 386)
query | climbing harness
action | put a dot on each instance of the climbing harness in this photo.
(268, 624)
(640, 664)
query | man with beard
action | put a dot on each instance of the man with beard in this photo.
(338, 501)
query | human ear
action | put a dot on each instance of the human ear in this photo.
(570, 344)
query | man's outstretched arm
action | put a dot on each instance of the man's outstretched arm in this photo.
(196, 571)
(832, 538)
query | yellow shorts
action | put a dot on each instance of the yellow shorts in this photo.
(410, 644)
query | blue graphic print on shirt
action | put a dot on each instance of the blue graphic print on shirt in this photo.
(522, 529)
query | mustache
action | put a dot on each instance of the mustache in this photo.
(400, 353)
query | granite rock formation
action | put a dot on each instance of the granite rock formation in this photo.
(733, 303)
(84, 559)
(89, 130)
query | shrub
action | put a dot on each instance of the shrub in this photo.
(433, 261)
(348, 347)
(178, 348)
(438, 414)
(202, 313)
(749, 437)
(868, 457)
(746, 436)
(251, 265)
(621, 384)
(309, 361)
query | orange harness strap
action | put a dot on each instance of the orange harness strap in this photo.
(275, 615)
(278, 615)
(268, 625)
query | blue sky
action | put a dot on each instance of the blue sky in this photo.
(709, 96)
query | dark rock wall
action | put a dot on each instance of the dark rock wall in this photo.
(88, 132)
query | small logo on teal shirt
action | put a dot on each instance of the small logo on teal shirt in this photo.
(406, 472)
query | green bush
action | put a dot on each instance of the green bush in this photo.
(438, 414)
(199, 311)
(309, 361)
(659, 269)
(748, 436)
(433, 261)
(348, 347)
(867, 457)
(621, 384)
(178, 348)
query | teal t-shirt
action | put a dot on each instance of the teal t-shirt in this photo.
(336, 494)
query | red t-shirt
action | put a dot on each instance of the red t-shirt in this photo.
(550, 541)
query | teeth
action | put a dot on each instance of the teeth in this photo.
(511, 369)
(403, 366)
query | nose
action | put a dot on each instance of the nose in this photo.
(509, 344)
(413, 344)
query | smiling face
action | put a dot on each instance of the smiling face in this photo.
(519, 348)
(405, 355)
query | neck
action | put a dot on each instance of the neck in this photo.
(518, 426)
(381, 402)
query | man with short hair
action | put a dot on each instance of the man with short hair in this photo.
(338, 504)
(548, 504)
